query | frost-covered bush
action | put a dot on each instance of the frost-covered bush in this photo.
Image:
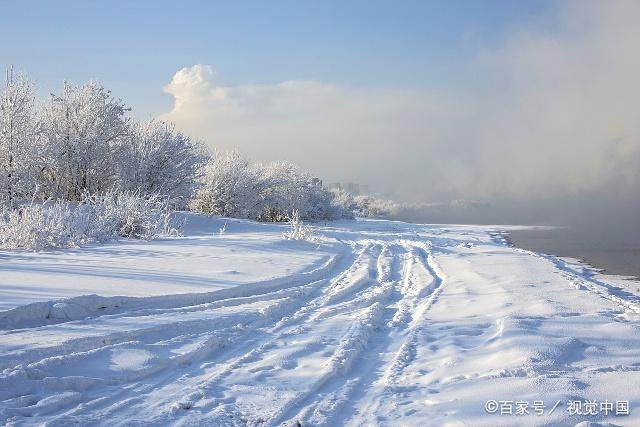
(286, 188)
(231, 187)
(19, 151)
(297, 230)
(84, 131)
(126, 214)
(94, 219)
(343, 203)
(40, 226)
(364, 206)
(83, 140)
(370, 207)
(235, 187)
(92, 145)
(160, 160)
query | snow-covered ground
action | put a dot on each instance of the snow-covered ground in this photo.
(375, 323)
(202, 261)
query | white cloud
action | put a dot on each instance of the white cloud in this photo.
(338, 132)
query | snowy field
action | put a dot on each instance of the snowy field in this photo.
(202, 261)
(374, 323)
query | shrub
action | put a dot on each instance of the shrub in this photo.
(60, 224)
(40, 226)
(19, 148)
(234, 187)
(160, 160)
(127, 214)
(230, 187)
(85, 131)
(297, 231)
(371, 207)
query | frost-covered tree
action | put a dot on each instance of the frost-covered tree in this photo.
(231, 187)
(85, 145)
(235, 187)
(371, 207)
(280, 194)
(17, 139)
(84, 130)
(160, 160)
(343, 200)
(286, 188)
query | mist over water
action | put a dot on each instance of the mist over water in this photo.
(603, 232)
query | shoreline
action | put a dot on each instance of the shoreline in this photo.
(601, 261)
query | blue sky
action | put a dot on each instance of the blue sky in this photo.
(134, 47)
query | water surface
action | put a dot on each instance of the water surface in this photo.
(613, 253)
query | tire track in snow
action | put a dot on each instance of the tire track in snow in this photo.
(152, 322)
(332, 388)
(320, 404)
(348, 351)
(54, 375)
(255, 348)
(416, 299)
(354, 281)
(417, 283)
(348, 313)
(426, 297)
(228, 330)
(365, 275)
(93, 306)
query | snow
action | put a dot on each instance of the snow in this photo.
(202, 261)
(372, 323)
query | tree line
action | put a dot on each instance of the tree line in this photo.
(82, 142)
